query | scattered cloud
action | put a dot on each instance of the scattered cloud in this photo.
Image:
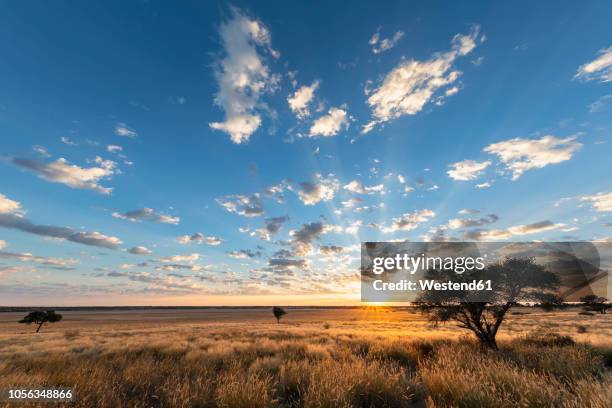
(181, 258)
(461, 223)
(355, 186)
(320, 189)
(486, 184)
(67, 141)
(467, 169)
(271, 227)
(61, 171)
(412, 84)
(331, 124)
(247, 206)
(300, 100)
(301, 239)
(9, 206)
(503, 234)
(600, 69)
(121, 129)
(244, 254)
(114, 149)
(409, 221)
(242, 75)
(147, 214)
(41, 150)
(381, 45)
(199, 238)
(601, 202)
(600, 104)
(520, 155)
(329, 250)
(140, 250)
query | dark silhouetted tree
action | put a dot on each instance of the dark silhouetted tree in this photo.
(41, 317)
(514, 281)
(278, 313)
(594, 303)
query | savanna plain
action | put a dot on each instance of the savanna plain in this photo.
(338, 357)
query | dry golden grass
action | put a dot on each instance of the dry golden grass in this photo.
(315, 358)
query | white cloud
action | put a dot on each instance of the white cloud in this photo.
(467, 169)
(114, 148)
(602, 202)
(181, 258)
(41, 150)
(520, 155)
(503, 234)
(300, 100)
(330, 124)
(320, 189)
(412, 84)
(140, 250)
(121, 129)
(247, 206)
(242, 75)
(381, 45)
(2, 244)
(66, 140)
(9, 206)
(199, 238)
(61, 171)
(401, 179)
(600, 69)
(147, 214)
(409, 221)
(351, 202)
(600, 104)
(355, 186)
(486, 184)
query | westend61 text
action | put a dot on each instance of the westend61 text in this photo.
(422, 284)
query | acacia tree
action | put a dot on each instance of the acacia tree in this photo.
(278, 313)
(41, 317)
(594, 303)
(514, 281)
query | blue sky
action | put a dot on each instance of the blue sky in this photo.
(217, 153)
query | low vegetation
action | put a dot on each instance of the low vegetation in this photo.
(318, 365)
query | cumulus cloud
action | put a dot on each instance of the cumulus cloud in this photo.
(271, 227)
(520, 155)
(301, 239)
(140, 250)
(61, 171)
(20, 223)
(247, 206)
(300, 100)
(181, 258)
(600, 69)
(409, 221)
(331, 124)
(244, 254)
(381, 45)
(9, 206)
(199, 238)
(467, 169)
(121, 129)
(329, 250)
(147, 214)
(486, 184)
(285, 263)
(412, 84)
(460, 223)
(242, 75)
(320, 189)
(114, 148)
(602, 202)
(503, 234)
(355, 186)
(60, 263)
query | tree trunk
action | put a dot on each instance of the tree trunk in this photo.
(39, 326)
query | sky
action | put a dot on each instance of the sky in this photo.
(212, 153)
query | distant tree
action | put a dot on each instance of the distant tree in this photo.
(594, 303)
(550, 302)
(278, 313)
(41, 317)
(515, 281)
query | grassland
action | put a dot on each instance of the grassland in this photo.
(371, 357)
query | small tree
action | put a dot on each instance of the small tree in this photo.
(594, 303)
(515, 280)
(41, 317)
(278, 313)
